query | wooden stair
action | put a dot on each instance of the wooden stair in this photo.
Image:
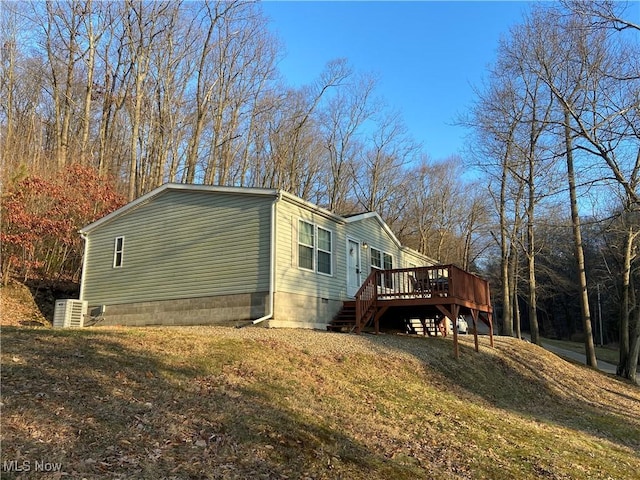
(345, 319)
(429, 327)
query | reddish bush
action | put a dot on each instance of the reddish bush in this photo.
(41, 219)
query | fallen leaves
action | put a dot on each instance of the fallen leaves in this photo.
(219, 403)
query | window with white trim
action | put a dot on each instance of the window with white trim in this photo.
(315, 248)
(118, 252)
(387, 261)
(324, 251)
(382, 261)
(306, 245)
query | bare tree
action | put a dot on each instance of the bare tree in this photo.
(341, 123)
(211, 82)
(21, 86)
(605, 14)
(381, 169)
(496, 118)
(144, 26)
(61, 27)
(94, 26)
(443, 213)
(532, 149)
(111, 89)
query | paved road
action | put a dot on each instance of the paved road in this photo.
(581, 358)
(578, 357)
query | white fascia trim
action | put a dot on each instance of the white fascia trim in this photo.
(85, 254)
(385, 227)
(312, 207)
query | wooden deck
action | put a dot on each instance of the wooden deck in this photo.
(419, 292)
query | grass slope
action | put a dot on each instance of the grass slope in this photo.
(204, 402)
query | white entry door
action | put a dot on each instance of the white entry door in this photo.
(353, 267)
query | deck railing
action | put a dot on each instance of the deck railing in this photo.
(418, 282)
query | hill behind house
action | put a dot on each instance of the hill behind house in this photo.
(205, 402)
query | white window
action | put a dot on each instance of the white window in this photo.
(324, 251)
(387, 261)
(376, 258)
(315, 248)
(306, 245)
(382, 261)
(118, 252)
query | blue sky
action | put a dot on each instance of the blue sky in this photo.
(427, 55)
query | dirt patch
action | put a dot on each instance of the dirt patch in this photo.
(18, 308)
(32, 304)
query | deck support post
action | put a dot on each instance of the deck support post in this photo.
(474, 316)
(423, 322)
(489, 316)
(455, 310)
(452, 313)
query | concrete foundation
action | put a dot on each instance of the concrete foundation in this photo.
(228, 310)
(302, 311)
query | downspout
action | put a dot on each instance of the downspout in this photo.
(85, 254)
(272, 266)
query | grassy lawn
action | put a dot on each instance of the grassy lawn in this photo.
(216, 403)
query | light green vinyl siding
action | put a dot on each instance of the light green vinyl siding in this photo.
(182, 244)
(292, 279)
(369, 231)
(411, 257)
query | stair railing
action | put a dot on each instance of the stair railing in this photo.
(366, 299)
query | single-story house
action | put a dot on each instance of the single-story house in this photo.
(197, 254)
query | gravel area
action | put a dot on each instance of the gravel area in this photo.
(316, 342)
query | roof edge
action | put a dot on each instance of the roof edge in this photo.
(247, 191)
(383, 224)
(376, 215)
(175, 186)
(313, 207)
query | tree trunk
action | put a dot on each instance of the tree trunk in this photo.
(507, 317)
(135, 131)
(91, 52)
(624, 362)
(634, 351)
(513, 290)
(590, 351)
(531, 260)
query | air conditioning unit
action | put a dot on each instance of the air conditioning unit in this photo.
(69, 313)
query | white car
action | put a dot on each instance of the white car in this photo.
(463, 326)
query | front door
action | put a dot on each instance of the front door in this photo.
(353, 267)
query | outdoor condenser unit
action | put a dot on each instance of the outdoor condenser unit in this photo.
(69, 313)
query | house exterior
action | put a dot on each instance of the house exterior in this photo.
(210, 255)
